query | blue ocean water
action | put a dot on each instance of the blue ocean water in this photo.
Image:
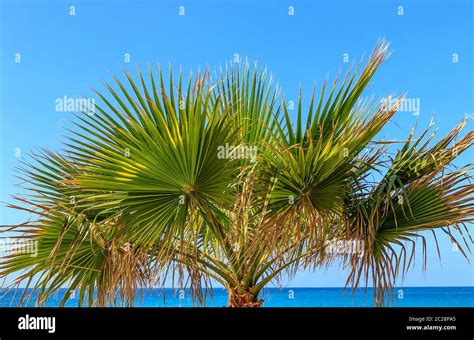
(286, 297)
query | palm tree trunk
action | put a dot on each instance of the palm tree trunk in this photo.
(243, 300)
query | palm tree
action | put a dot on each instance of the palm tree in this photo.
(211, 181)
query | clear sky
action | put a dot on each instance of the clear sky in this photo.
(66, 55)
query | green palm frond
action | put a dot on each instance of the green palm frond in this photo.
(251, 100)
(418, 193)
(74, 249)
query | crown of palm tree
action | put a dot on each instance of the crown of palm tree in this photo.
(210, 180)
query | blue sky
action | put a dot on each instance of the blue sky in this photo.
(67, 55)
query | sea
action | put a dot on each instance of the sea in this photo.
(279, 297)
